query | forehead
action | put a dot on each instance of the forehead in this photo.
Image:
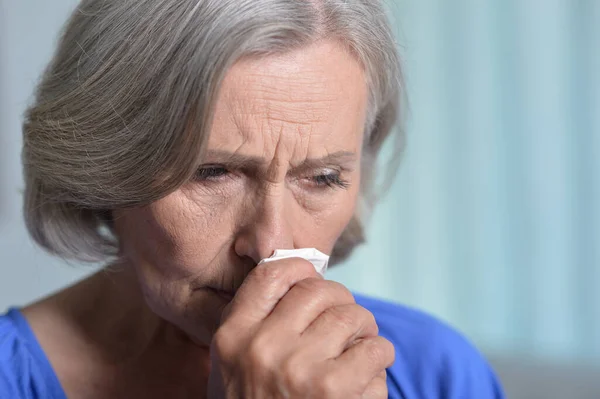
(319, 91)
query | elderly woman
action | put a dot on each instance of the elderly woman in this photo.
(181, 142)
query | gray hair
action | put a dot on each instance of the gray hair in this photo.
(121, 113)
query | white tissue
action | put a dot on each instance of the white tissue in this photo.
(314, 256)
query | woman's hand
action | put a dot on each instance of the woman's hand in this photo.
(288, 333)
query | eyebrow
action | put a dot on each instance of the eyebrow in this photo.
(344, 159)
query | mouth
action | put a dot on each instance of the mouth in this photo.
(228, 296)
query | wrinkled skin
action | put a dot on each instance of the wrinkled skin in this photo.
(282, 170)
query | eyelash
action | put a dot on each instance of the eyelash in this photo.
(215, 173)
(211, 173)
(332, 180)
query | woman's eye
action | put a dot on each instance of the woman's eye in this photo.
(211, 173)
(331, 180)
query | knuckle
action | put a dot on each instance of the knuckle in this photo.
(382, 375)
(324, 291)
(221, 338)
(370, 327)
(391, 354)
(259, 353)
(313, 285)
(341, 292)
(364, 315)
(295, 375)
(223, 344)
(335, 384)
(329, 386)
(377, 389)
(341, 318)
(353, 317)
(379, 351)
(332, 385)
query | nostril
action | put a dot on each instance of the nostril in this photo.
(248, 263)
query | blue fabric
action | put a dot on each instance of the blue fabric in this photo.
(25, 372)
(432, 360)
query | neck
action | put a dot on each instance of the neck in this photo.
(107, 316)
(103, 340)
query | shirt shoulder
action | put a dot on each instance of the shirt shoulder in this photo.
(433, 361)
(25, 373)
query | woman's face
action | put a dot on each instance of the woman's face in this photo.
(282, 170)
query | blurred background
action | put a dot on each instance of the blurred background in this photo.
(493, 222)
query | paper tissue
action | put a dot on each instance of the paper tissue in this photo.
(314, 256)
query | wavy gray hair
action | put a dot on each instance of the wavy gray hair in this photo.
(121, 115)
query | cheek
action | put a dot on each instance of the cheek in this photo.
(173, 246)
(347, 209)
(328, 218)
(344, 213)
(173, 239)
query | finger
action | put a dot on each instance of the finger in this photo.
(266, 284)
(363, 361)
(305, 302)
(377, 388)
(337, 329)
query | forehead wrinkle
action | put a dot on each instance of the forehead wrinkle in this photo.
(241, 115)
(268, 117)
(304, 98)
(295, 137)
(302, 87)
(291, 107)
(293, 92)
(289, 88)
(290, 110)
(276, 160)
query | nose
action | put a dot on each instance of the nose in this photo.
(267, 228)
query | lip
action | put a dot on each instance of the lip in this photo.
(228, 296)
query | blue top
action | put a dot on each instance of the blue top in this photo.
(432, 360)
